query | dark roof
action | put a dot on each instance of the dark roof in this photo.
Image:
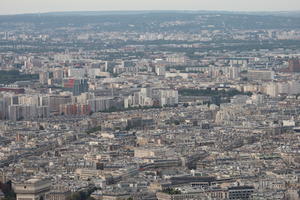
(241, 188)
(190, 179)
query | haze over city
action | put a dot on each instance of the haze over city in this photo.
(40, 6)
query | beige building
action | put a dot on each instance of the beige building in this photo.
(32, 189)
(85, 174)
(144, 153)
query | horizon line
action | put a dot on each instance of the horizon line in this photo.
(153, 10)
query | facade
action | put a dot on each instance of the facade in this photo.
(260, 75)
(184, 196)
(294, 65)
(56, 100)
(168, 97)
(77, 73)
(76, 86)
(74, 109)
(59, 193)
(240, 192)
(14, 90)
(27, 112)
(43, 77)
(100, 104)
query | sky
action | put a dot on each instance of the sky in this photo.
(41, 6)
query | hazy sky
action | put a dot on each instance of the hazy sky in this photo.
(35, 6)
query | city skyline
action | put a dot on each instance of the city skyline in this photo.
(36, 6)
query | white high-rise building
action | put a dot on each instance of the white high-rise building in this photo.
(160, 70)
(294, 87)
(271, 89)
(77, 73)
(168, 97)
(234, 72)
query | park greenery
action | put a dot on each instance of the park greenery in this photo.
(116, 109)
(217, 96)
(83, 195)
(7, 190)
(8, 77)
(171, 191)
(93, 130)
(210, 92)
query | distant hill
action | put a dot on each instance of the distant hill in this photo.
(147, 21)
(97, 13)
